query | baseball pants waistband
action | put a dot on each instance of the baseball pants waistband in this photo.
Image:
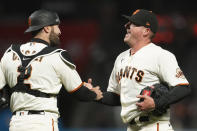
(30, 112)
(141, 119)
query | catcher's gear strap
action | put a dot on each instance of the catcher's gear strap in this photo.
(25, 88)
(111, 99)
(25, 60)
(66, 58)
(176, 94)
(84, 94)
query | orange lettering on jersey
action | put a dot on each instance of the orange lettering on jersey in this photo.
(28, 72)
(134, 70)
(25, 74)
(121, 73)
(39, 59)
(14, 57)
(179, 73)
(33, 52)
(126, 71)
(126, 74)
(117, 78)
(27, 52)
(139, 76)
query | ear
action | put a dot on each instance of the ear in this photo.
(146, 31)
(47, 29)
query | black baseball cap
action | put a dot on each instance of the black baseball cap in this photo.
(144, 18)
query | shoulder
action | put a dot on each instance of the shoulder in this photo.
(57, 56)
(64, 55)
(166, 53)
(161, 52)
(163, 56)
(8, 51)
(8, 54)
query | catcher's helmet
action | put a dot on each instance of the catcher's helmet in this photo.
(42, 18)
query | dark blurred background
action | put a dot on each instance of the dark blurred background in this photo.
(93, 32)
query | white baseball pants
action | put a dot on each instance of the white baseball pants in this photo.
(155, 126)
(34, 122)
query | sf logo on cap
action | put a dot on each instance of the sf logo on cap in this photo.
(29, 21)
(135, 12)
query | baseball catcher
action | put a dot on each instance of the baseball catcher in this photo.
(36, 71)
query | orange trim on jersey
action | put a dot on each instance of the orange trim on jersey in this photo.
(52, 125)
(117, 94)
(157, 126)
(182, 84)
(77, 88)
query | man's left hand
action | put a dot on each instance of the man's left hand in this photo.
(147, 105)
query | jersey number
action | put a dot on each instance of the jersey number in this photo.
(25, 74)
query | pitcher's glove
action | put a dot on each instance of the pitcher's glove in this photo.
(156, 91)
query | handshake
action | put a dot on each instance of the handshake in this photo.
(96, 89)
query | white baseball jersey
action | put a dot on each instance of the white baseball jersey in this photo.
(131, 73)
(48, 73)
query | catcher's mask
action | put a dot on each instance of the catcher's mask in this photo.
(41, 18)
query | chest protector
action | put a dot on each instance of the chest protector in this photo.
(24, 69)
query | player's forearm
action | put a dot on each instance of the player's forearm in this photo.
(110, 98)
(84, 94)
(176, 94)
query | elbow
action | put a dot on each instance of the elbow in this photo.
(187, 90)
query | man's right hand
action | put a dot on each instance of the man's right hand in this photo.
(98, 92)
(94, 89)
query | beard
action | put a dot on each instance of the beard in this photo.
(54, 39)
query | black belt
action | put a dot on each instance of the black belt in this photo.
(30, 112)
(141, 119)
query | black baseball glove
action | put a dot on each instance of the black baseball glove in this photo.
(156, 91)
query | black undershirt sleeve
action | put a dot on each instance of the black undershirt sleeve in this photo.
(176, 94)
(110, 98)
(84, 94)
